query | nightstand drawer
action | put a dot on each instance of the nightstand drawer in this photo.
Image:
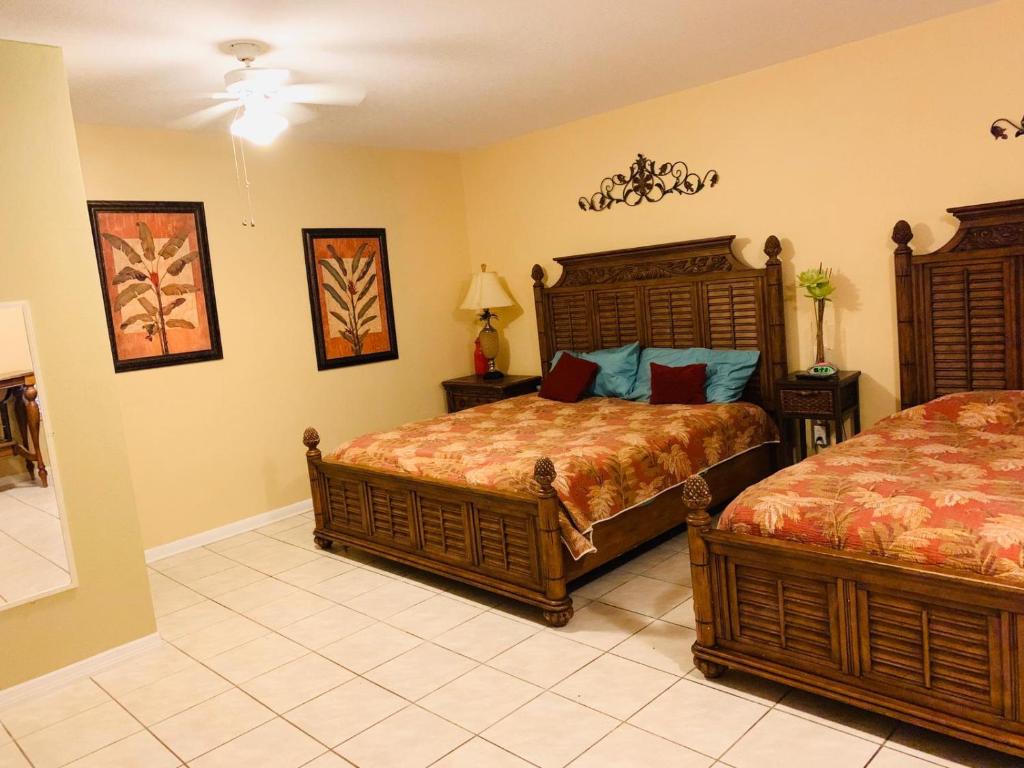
(807, 402)
(460, 401)
(831, 401)
(470, 391)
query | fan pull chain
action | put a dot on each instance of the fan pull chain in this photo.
(242, 181)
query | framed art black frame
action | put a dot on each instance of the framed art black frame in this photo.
(208, 299)
(320, 308)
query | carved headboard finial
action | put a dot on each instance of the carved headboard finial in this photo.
(544, 473)
(311, 438)
(696, 493)
(772, 249)
(902, 234)
(537, 273)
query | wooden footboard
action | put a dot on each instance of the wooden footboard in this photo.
(938, 649)
(504, 543)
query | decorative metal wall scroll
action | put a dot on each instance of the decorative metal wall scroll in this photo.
(999, 131)
(648, 182)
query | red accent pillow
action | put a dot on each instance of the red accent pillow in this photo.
(569, 379)
(680, 385)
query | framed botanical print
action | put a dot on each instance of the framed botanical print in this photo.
(350, 296)
(154, 264)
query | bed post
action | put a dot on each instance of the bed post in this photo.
(776, 312)
(776, 341)
(311, 439)
(697, 498)
(552, 559)
(902, 234)
(537, 273)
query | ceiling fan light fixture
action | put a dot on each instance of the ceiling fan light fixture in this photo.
(252, 81)
(259, 125)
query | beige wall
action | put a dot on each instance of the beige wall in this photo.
(46, 261)
(211, 443)
(827, 152)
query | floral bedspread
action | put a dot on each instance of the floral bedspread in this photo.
(610, 454)
(941, 484)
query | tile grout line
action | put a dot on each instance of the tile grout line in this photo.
(497, 746)
(742, 735)
(804, 716)
(676, 679)
(37, 553)
(874, 754)
(131, 714)
(17, 745)
(56, 722)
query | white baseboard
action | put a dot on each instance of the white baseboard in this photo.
(51, 681)
(225, 531)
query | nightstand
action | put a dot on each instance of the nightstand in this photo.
(467, 391)
(831, 400)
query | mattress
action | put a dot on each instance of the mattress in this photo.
(610, 455)
(939, 484)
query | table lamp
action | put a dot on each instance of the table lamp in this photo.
(485, 291)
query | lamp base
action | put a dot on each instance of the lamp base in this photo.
(489, 345)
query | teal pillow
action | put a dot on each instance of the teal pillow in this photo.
(729, 370)
(617, 373)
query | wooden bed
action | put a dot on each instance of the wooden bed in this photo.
(688, 294)
(938, 648)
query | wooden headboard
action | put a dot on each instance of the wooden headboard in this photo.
(959, 308)
(690, 294)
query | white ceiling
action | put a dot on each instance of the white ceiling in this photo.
(440, 74)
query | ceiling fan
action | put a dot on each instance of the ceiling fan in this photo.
(264, 100)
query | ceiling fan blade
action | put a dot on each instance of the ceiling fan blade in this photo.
(323, 93)
(296, 113)
(205, 116)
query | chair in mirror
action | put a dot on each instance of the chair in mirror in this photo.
(34, 556)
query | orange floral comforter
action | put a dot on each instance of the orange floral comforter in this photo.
(940, 484)
(610, 454)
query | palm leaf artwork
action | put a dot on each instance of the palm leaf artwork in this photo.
(148, 276)
(122, 245)
(353, 292)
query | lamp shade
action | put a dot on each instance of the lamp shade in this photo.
(486, 292)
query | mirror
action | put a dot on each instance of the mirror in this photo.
(34, 556)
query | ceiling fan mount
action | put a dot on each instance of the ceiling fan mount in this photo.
(249, 81)
(246, 51)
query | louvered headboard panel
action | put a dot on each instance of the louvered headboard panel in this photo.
(691, 294)
(959, 309)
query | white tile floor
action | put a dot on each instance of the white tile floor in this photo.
(277, 655)
(33, 558)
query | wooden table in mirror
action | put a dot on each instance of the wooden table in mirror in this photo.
(18, 393)
(35, 557)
